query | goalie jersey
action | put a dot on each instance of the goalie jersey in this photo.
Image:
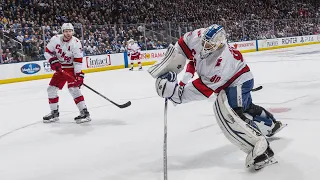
(216, 71)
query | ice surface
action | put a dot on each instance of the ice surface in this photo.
(126, 144)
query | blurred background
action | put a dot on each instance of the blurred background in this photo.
(105, 26)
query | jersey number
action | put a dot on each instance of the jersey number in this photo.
(215, 79)
(236, 54)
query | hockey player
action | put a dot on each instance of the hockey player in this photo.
(64, 53)
(222, 71)
(134, 53)
(265, 121)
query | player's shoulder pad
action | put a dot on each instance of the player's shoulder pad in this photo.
(75, 39)
(55, 37)
(193, 34)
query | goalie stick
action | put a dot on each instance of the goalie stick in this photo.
(165, 157)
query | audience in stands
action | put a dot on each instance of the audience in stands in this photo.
(104, 26)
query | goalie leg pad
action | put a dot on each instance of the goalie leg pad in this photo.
(172, 61)
(240, 133)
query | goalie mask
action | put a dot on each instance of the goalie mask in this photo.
(213, 38)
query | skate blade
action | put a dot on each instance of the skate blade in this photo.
(51, 120)
(278, 130)
(80, 121)
(283, 126)
(269, 162)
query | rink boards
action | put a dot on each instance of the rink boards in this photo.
(18, 72)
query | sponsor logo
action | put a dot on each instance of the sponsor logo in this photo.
(243, 45)
(152, 55)
(46, 67)
(306, 39)
(318, 37)
(230, 118)
(270, 43)
(30, 68)
(235, 46)
(94, 62)
(291, 40)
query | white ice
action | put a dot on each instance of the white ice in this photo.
(126, 144)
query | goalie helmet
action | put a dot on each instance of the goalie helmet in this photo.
(67, 26)
(213, 38)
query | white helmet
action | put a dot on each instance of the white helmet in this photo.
(213, 38)
(131, 41)
(67, 26)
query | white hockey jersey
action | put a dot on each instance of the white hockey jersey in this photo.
(134, 49)
(219, 70)
(69, 53)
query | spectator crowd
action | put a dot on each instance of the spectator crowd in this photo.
(105, 26)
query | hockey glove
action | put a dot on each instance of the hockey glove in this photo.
(55, 64)
(166, 84)
(79, 79)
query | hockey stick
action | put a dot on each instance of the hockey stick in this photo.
(165, 158)
(256, 89)
(118, 105)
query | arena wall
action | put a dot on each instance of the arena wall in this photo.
(19, 72)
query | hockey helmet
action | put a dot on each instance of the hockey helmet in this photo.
(131, 41)
(213, 38)
(67, 26)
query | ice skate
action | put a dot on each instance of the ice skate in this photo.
(51, 117)
(83, 117)
(264, 160)
(278, 126)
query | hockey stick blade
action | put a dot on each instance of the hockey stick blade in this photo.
(123, 105)
(256, 89)
(116, 104)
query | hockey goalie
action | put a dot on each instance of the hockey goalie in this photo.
(223, 72)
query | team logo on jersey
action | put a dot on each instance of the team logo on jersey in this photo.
(30, 68)
(63, 54)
